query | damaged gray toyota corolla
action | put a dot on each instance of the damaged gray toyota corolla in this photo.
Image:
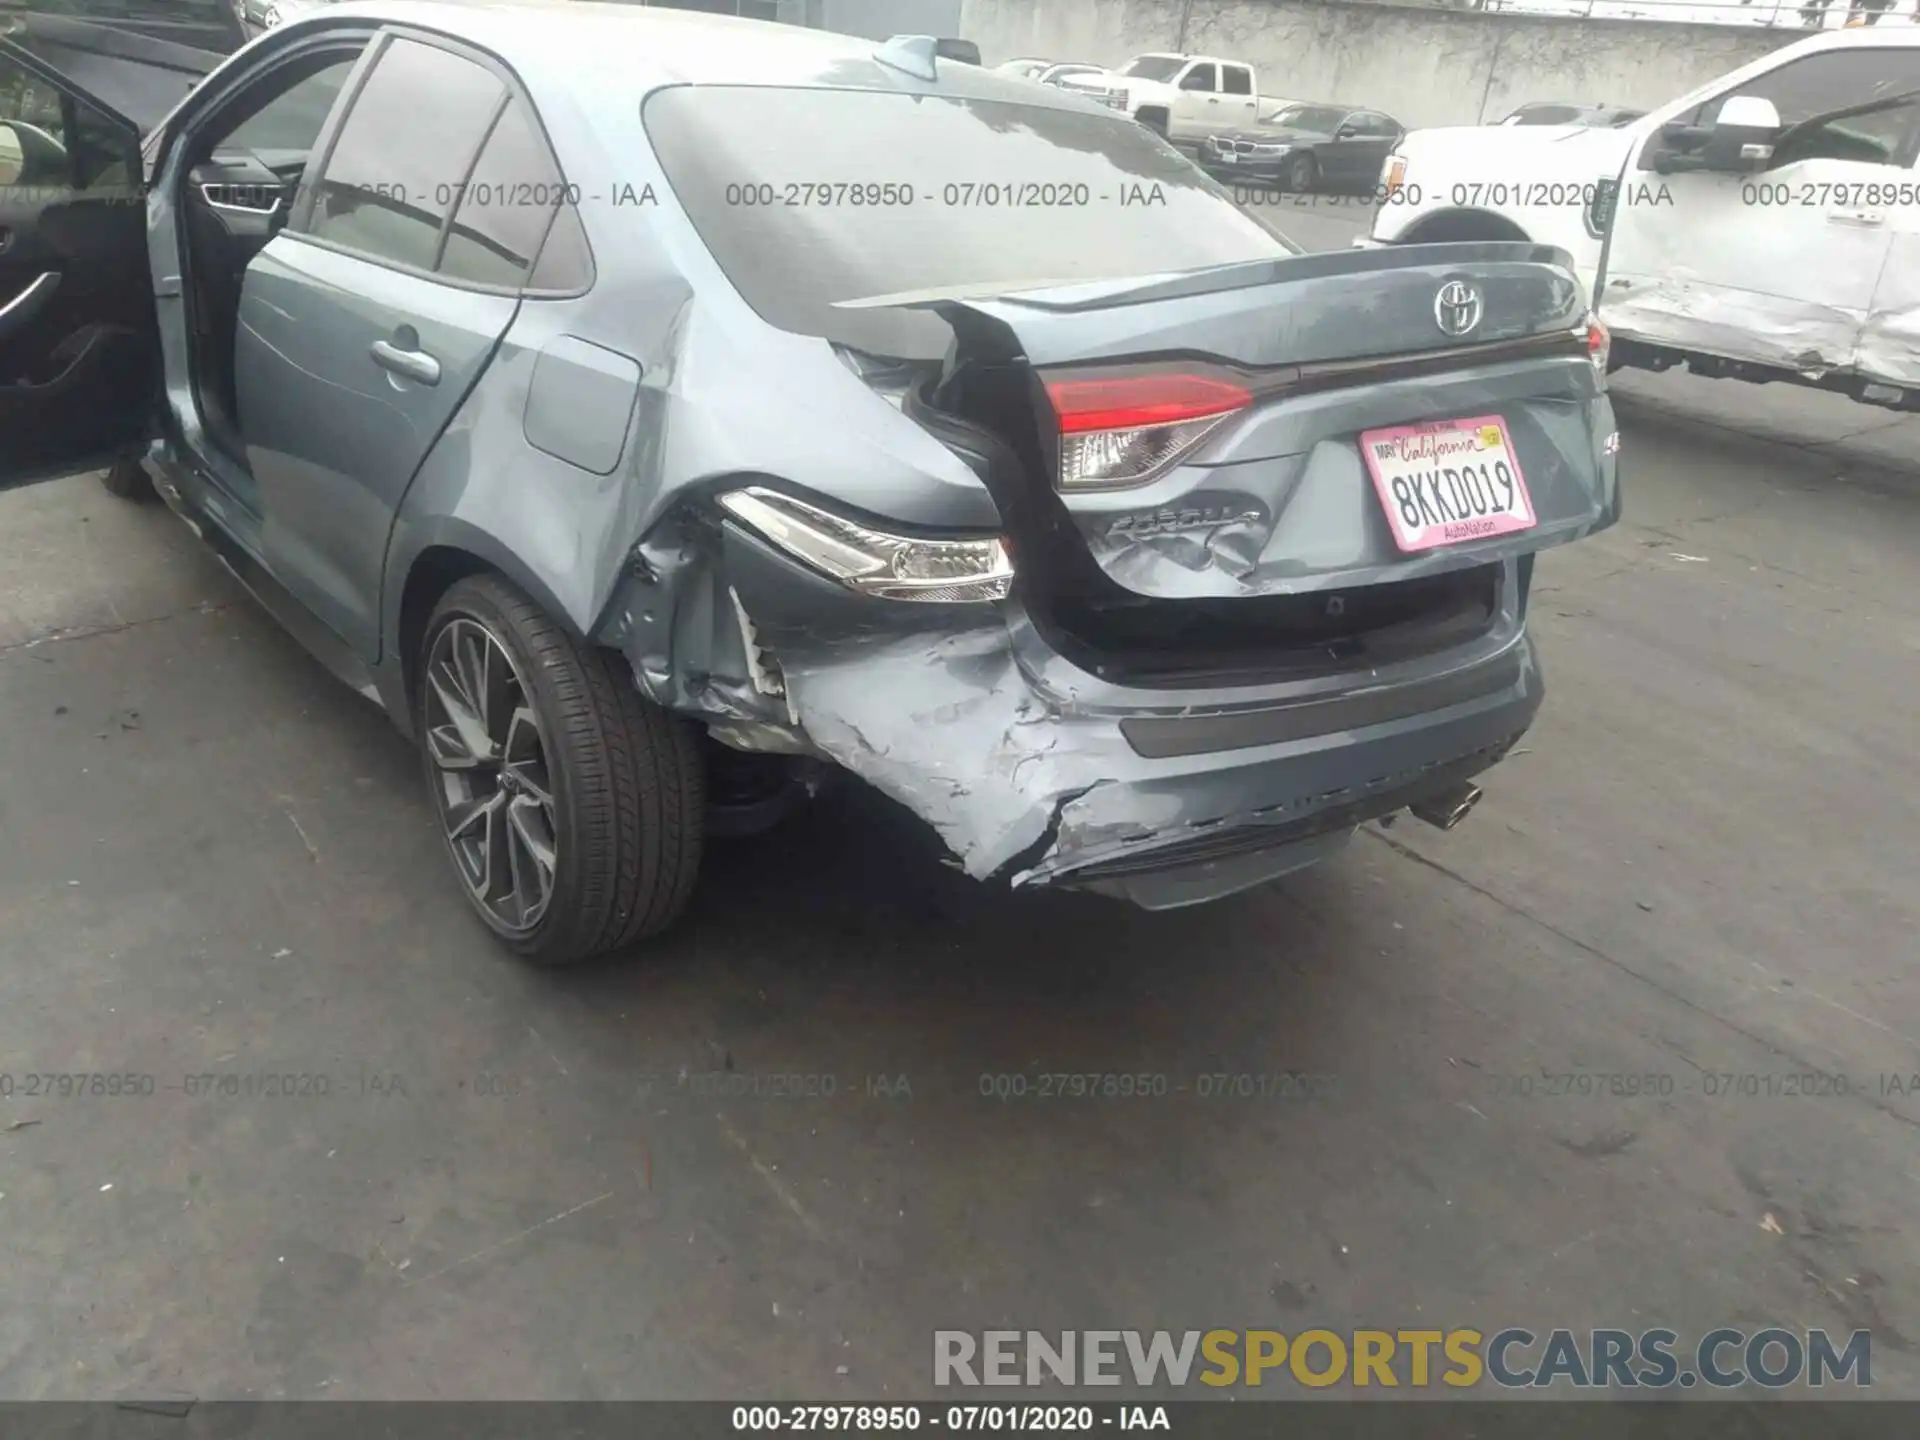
(697, 405)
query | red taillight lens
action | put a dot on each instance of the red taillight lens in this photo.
(1128, 402)
(1125, 429)
(1599, 344)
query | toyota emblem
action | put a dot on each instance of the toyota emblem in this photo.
(1456, 308)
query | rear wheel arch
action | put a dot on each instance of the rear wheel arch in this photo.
(434, 571)
(1458, 225)
(418, 577)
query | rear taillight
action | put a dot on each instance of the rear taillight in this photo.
(1393, 175)
(1126, 429)
(1599, 344)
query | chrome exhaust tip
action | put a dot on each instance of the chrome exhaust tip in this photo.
(1449, 808)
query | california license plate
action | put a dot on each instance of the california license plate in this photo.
(1227, 157)
(1446, 482)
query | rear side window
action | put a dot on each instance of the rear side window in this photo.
(1236, 80)
(505, 205)
(395, 171)
(807, 198)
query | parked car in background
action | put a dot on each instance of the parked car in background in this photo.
(1066, 69)
(1303, 147)
(964, 52)
(1048, 72)
(1785, 247)
(1556, 112)
(1025, 68)
(1142, 555)
(268, 13)
(1183, 97)
(1768, 228)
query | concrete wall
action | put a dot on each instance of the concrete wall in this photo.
(871, 19)
(1423, 66)
(878, 19)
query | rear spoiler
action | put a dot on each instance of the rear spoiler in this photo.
(1259, 314)
(1068, 296)
(140, 68)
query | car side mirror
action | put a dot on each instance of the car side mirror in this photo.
(30, 157)
(13, 155)
(1742, 135)
(1739, 139)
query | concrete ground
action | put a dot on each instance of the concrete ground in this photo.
(215, 861)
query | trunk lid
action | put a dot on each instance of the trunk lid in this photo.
(1331, 305)
(1269, 535)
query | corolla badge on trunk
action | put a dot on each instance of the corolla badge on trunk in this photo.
(1181, 522)
(1456, 307)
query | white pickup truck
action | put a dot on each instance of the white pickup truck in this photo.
(1184, 97)
(1765, 226)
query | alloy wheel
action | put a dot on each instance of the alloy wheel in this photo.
(495, 791)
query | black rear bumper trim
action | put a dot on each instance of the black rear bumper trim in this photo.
(1259, 837)
(1165, 738)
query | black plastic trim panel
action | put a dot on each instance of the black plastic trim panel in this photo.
(1162, 738)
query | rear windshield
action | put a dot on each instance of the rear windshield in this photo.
(809, 197)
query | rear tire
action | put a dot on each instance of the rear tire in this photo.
(572, 808)
(1301, 175)
(128, 479)
(1154, 120)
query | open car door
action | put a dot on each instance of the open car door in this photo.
(79, 350)
(138, 57)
